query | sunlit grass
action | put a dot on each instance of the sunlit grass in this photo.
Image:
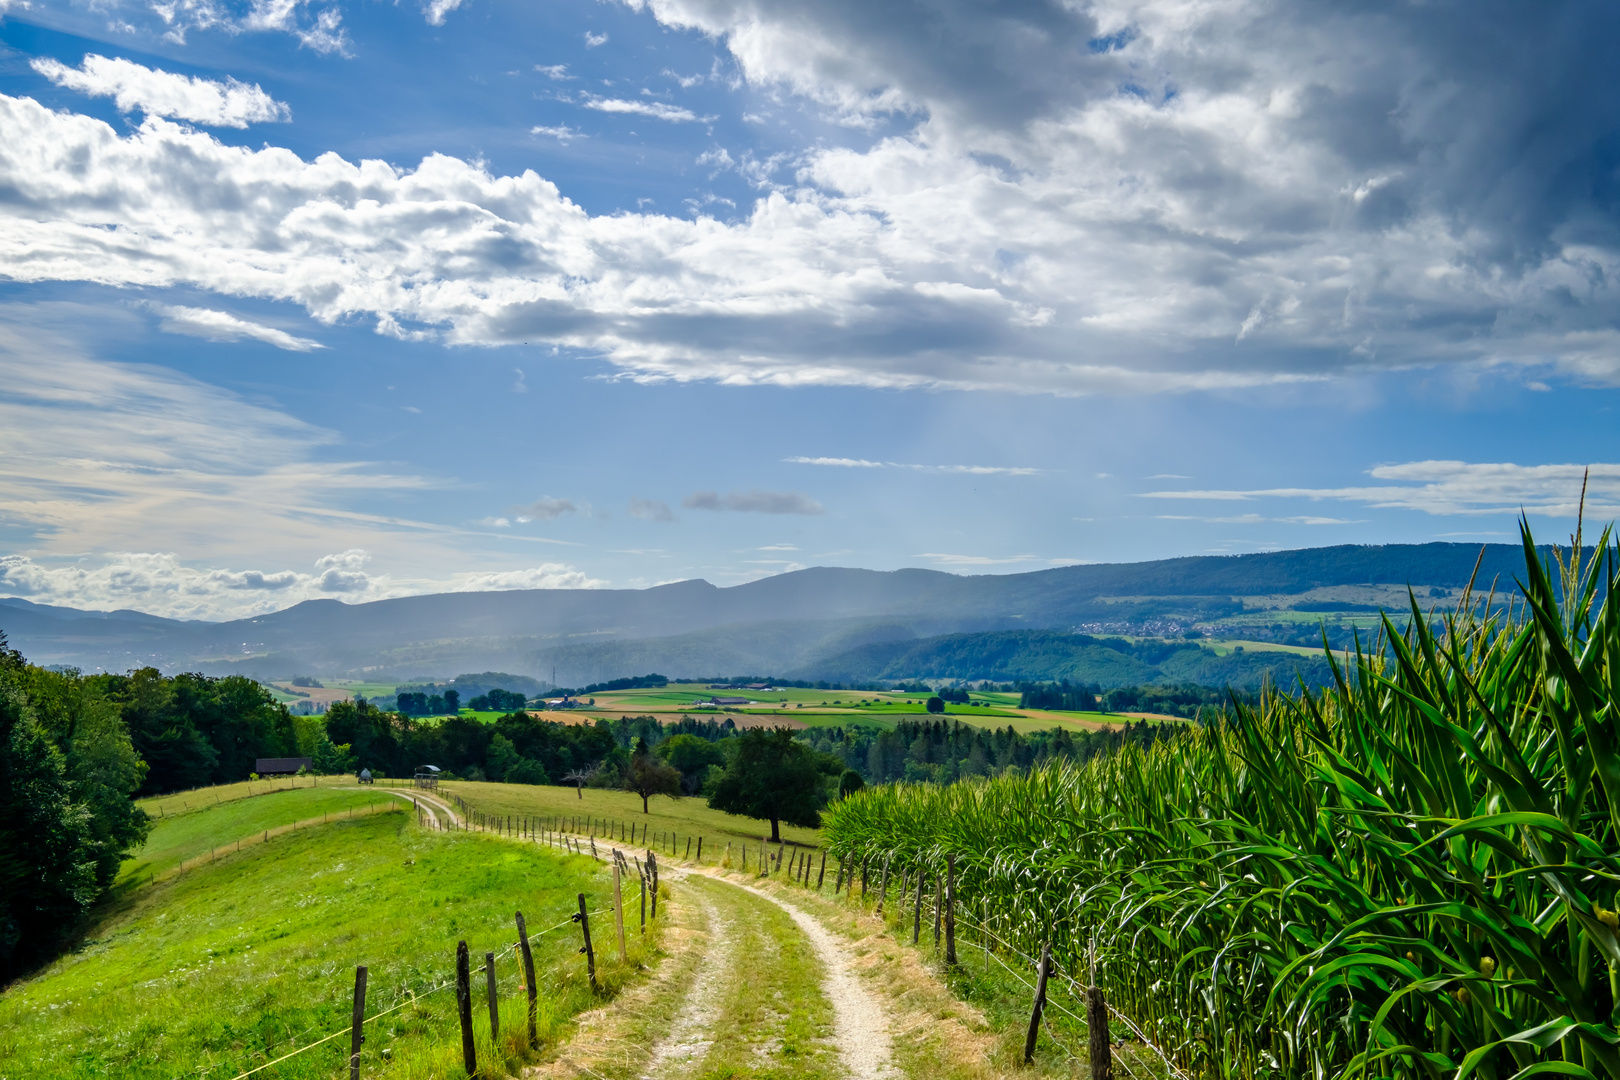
(240, 961)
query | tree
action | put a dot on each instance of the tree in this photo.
(452, 701)
(527, 771)
(850, 783)
(579, 778)
(501, 757)
(647, 776)
(67, 771)
(771, 775)
(692, 756)
(936, 704)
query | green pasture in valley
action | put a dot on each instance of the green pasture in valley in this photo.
(238, 962)
(683, 817)
(179, 836)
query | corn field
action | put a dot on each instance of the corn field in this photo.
(1411, 874)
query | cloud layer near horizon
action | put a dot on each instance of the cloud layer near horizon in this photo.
(1110, 197)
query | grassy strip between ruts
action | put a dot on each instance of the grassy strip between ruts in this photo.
(175, 841)
(963, 1023)
(244, 960)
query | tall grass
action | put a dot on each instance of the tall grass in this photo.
(1411, 874)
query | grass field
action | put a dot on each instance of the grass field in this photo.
(240, 961)
(178, 837)
(682, 817)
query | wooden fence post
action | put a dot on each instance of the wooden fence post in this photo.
(642, 871)
(950, 910)
(744, 856)
(823, 872)
(528, 979)
(469, 1054)
(652, 865)
(688, 855)
(916, 919)
(883, 887)
(618, 910)
(1040, 1004)
(700, 851)
(584, 920)
(939, 905)
(1102, 1056)
(494, 1005)
(839, 882)
(356, 1034)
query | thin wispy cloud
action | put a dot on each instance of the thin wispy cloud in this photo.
(978, 560)
(223, 326)
(562, 132)
(1454, 487)
(136, 88)
(754, 502)
(657, 110)
(651, 510)
(862, 463)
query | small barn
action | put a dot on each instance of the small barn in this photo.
(280, 766)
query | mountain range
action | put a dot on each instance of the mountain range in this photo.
(806, 624)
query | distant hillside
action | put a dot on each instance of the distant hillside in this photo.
(775, 624)
(1012, 656)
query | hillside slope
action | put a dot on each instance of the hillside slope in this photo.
(792, 616)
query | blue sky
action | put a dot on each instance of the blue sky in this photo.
(356, 299)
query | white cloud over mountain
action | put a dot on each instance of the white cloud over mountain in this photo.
(136, 88)
(1456, 487)
(1124, 197)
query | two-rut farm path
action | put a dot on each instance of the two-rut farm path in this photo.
(755, 983)
(751, 986)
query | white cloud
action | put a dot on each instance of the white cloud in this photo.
(222, 326)
(651, 510)
(658, 110)
(160, 583)
(562, 133)
(1452, 487)
(135, 88)
(755, 501)
(106, 467)
(593, 40)
(547, 509)
(978, 560)
(557, 72)
(436, 10)
(862, 463)
(318, 29)
(1231, 195)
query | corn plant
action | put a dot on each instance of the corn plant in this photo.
(1410, 874)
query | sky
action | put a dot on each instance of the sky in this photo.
(316, 298)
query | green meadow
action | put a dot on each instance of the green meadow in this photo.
(240, 961)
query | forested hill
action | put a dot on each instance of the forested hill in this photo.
(1106, 662)
(528, 631)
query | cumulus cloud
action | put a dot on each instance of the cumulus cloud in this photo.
(546, 509)
(320, 29)
(862, 463)
(754, 501)
(160, 583)
(651, 510)
(658, 110)
(1076, 198)
(1453, 487)
(135, 88)
(223, 326)
(436, 10)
